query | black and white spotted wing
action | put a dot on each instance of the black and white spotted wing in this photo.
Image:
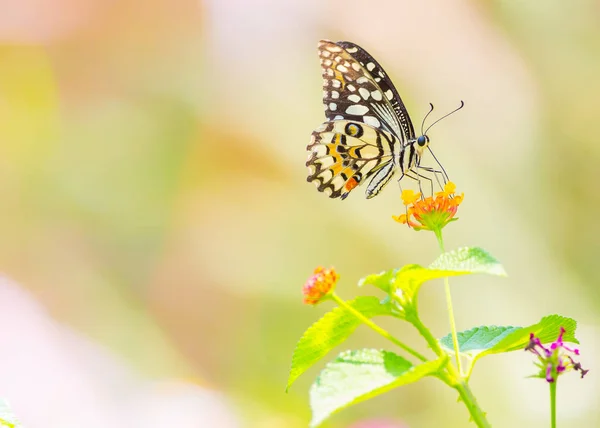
(365, 117)
(384, 82)
(350, 91)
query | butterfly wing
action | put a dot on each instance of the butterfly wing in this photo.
(384, 82)
(352, 92)
(344, 154)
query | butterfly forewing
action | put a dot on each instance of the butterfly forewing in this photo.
(350, 92)
(385, 83)
(344, 154)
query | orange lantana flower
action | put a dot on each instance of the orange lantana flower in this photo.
(319, 285)
(430, 213)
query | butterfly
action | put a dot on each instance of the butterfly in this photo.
(368, 135)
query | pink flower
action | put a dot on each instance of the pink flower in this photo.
(554, 360)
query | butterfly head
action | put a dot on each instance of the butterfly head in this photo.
(422, 143)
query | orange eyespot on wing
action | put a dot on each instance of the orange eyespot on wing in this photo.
(351, 184)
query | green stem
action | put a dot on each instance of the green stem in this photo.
(449, 307)
(454, 374)
(553, 404)
(451, 376)
(413, 318)
(375, 327)
(452, 324)
(470, 401)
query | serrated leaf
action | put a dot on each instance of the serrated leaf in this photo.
(468, 259)
(355, 376)
(330, 331)
(7, 417)
(546, 330)
(485, 340)
(409, 279)
(478, 339)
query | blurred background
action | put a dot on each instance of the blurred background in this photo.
(156, 226)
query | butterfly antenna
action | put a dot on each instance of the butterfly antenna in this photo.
(425, 118)
(446, 178)
(462, 104)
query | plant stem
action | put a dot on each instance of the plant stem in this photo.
(477, 414)
(452, 324)
(433, 343)
(451, 376)
(449, 307)
(375, 327)
(454, 375)
(553, 404)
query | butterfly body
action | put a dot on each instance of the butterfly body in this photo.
(368, 135)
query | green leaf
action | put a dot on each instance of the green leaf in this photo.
(487, 340)
(355, 376)
(330, 331)
(409, 279)
(478, 339)
(383, 280)
(469, 260)
(7, 417)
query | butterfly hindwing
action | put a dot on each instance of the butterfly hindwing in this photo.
(344, 154)
(351, 92)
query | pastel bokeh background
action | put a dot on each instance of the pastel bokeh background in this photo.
(156, 226)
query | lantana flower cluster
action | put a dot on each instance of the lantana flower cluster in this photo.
(431, 213)
(319, 285)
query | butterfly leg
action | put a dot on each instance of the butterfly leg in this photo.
(437, 174)
(419, 176)
(400, 185)
(400, 182)
(414, 175)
